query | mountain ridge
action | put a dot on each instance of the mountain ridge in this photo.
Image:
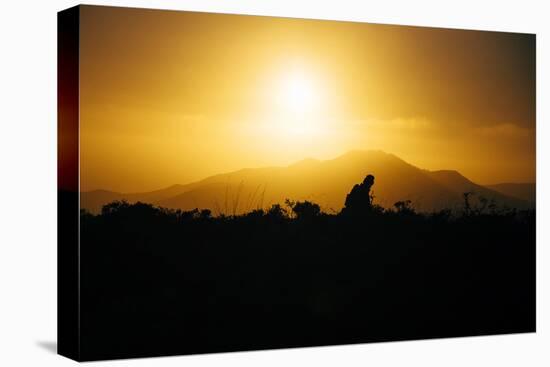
(325, 182)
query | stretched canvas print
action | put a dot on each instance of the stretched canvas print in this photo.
(233, 182)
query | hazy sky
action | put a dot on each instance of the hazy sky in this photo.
(172, 97)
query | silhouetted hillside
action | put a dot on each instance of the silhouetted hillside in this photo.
(524, 191)
(94, 200)
(459, 184)
(324, 182)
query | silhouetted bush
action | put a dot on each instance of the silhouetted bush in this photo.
(304, 210)
(404, 207)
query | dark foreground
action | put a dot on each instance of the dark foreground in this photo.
(157, 282)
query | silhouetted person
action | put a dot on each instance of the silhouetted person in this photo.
(359, 200)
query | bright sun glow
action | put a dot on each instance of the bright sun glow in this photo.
(298, 94)
(297, 105)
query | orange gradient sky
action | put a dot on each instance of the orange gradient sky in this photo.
(171, 97)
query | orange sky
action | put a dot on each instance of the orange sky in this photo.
(171, 97)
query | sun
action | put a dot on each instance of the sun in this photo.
(298, 94)
(295, 105)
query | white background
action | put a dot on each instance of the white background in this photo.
(28, 184)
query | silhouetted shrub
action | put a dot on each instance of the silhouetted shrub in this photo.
(404, 207)
(305, 209)
(276, 212)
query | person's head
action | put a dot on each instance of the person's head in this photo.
(369, 180)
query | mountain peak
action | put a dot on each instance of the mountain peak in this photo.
(371, 155)
(363, 152)
(325, 182)
(307, 162)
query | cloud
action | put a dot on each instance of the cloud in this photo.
(505, 130)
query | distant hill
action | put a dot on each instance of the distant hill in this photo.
(94, 200)
(524, 191)
(324, 182)
(460, 185)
